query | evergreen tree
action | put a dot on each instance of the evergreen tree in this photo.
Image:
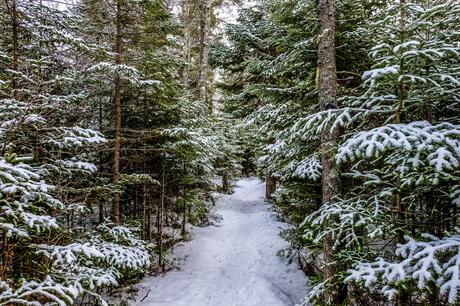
(414, 77)
(46, 152)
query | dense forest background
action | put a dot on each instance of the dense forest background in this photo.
(119, 119)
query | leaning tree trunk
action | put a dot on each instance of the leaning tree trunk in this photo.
(117, 105)
(327, 88)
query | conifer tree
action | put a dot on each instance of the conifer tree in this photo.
(46, 154)
(327, 98)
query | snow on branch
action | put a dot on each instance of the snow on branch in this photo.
(76, 137)
(371, 76)
(77, 165)
(309, 167)
(119, 256)
(354, 216)
(455, 195)
(100, 259)
(437, 145)
(435, 261)
(330, 119)
(20, 187)
(126, 72)
(118, 234)
(34, 293)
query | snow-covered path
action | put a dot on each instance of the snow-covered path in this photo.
(233, 263)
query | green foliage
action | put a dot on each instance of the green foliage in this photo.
(408, 61)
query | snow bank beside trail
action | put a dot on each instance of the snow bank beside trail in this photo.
(233, 264)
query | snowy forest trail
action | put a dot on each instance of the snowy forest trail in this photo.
(233, 263)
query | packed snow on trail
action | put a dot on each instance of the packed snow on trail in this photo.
(233, 263)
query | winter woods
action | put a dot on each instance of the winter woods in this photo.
(120, 119)
(106, 153)
(362, 138)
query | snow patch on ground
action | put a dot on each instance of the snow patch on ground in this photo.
(233, 263)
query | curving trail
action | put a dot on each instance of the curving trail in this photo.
(233, 263)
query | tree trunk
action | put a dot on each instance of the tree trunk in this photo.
(204, 41)
(328, 100)
(401, 94)
(403, 298)
(15, 64)
(101, 202)
(149, 219)
(270, 186)
(15, 26)
(184, 217)
(184, 212)
(161, 217)
(187, 22)
(145, 214)
(4, 267)
(225, 183)
(117, 102)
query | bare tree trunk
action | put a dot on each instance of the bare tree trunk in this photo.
(161, 217)
(403, 298)
(4, 267)
(149, 219)
(101, 203)
(401, 83)
(187, 18)
(328, 100)
(184, 217)
(225, 182)
(13, 11)
(184, 212)
(270, 186)
(15, 26)
(204, 40)
(117, 102)
(145, 221)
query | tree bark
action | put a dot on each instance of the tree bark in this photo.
(161, 218)
(401, 90)
(327, 88)
(403, 298)
(145, 214)
(204, 57)
(184, 218)
(270, 186)
(15, 26)
(15, 64)
(117, 105)
(225, 182)
(101, 203)
(187, 18)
